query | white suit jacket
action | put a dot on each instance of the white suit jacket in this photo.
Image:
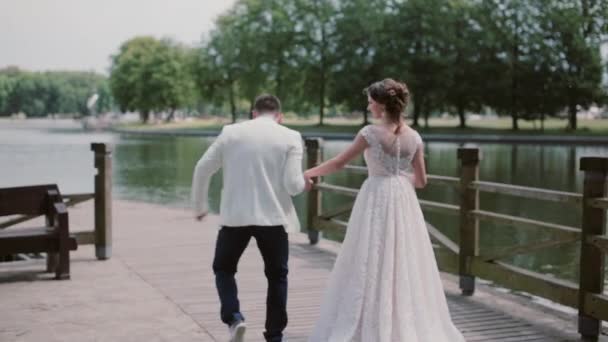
(261, 163)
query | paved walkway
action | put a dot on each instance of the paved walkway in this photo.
(158, 286)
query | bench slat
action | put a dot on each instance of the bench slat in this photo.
(33, 244)
(30, 231)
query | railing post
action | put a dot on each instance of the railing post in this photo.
(314, 149)
(592, 259)
(51, 258)
(469, 225)
(103, 201)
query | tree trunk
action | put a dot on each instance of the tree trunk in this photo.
(251, 109)
(145, 115)
(322, 98)
(365, 116)
(463, 123)
(322, 73)
(542, 122)
(417, 107)
(232, 103)
(572, 124)
(514, 81)
(170, 116)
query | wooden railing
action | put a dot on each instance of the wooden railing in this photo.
(463, 258)
(101, 235)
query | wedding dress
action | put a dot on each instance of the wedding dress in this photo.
(385, 285)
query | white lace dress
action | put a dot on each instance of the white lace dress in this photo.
(385, 285)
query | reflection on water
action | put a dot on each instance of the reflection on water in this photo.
(159, 170)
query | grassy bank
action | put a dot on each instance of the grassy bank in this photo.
(497, 126)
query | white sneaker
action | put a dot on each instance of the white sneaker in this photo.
(237, 331)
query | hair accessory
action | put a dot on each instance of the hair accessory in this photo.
(392, 92)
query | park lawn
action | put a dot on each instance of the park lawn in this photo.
(498, 126)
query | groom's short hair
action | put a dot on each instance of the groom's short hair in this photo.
(267, 103)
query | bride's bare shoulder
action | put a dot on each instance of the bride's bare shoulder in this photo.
(410, 130)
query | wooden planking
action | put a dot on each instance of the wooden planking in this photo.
(85, 238)
(73, 199)
(598, 241)
(337, 189)
(596, 305)
(592, 259)
(528, 192)
(341, 210)
(443, 180)
(516, 278)
(442, 239)
(356, 169)
(507, 252)
(479, 323)
(177, 263)
(191, 287)
(598, 202)
(439, 207)
(524, 222)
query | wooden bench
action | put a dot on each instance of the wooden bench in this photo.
(53, 238)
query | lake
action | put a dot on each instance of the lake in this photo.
(159, 170)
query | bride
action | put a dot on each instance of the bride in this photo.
(385, 285)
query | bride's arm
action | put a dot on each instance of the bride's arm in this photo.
(338, 162)
(419, 168)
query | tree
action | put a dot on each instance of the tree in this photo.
(465, 36)
(172, 78)
(360, 58)
(150, 75)
(512, 26)
(6, 88)
(317, 46)
(420, 51)
(51, 92)
(219, 63)
(575, 29)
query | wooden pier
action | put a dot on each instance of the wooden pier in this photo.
(143, 271)
(164, 261)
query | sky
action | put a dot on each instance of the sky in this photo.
(82, 34)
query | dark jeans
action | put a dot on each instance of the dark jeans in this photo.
(274, 247)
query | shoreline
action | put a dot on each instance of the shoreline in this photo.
(509, 137)
(429, 137)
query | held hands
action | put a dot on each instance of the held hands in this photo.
(308, 182)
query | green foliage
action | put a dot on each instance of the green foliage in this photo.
(359, 54)
(527, 59)
(150, 75)
(43, 93)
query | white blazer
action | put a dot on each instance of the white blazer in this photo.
(261, 163)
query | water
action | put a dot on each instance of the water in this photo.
(159, 170)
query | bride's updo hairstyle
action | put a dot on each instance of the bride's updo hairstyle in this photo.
(393, 95)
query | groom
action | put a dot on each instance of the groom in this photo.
(262, 168)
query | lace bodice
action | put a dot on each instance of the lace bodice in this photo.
(389, 154)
